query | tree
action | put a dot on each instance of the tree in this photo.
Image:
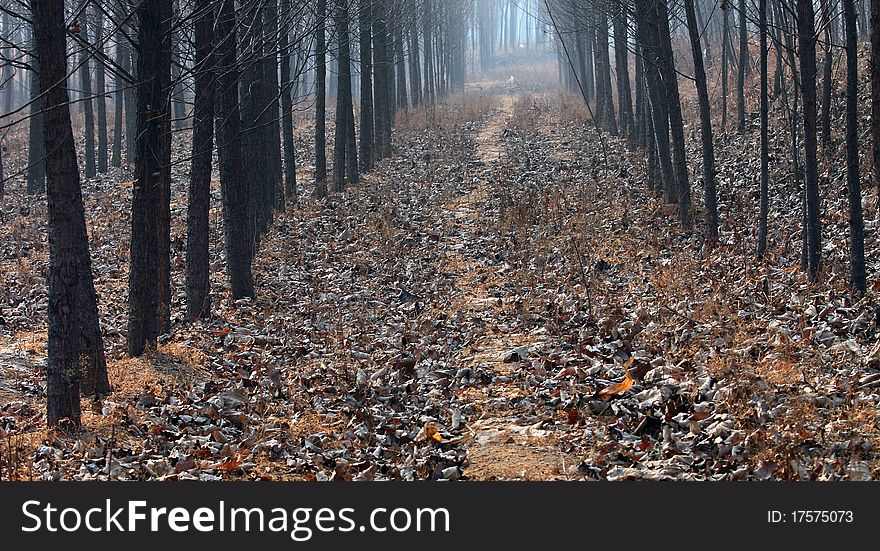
(807, 57)
(725, 56)
(320, 100)
(343, 151)
(36, 171)
(100, 90)
(366, 56)
(647, 34)
(85, 80)
(290, 189)
(705, 124)
(148, 195)
(72, 301)
(856, 224)
(383, 81)
(875, 91)
(198, 281)
(669, 76)
(741, 68)
(764, 199)
(624, 96)
(234, 187)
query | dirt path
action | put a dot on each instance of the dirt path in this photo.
(499, 446)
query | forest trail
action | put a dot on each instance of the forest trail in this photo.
(499, 446)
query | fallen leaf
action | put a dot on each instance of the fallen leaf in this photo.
(620, 387)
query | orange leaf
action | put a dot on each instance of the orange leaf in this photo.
(229, 465)
(622, 386)
(432, 433)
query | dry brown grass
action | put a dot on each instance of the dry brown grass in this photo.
(454, 110)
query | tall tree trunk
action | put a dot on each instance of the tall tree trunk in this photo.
(131, 108)
(271, 120)
(198, 280)
(856, 223)
(290, 188)
(807, 56)
(429, 57)
(827, 76)
(382, 101)
(88, 110)
(36, 172)
(624, 101)
(321, 101)
(415, 69)
(603, 73)
(725, 57)
(344, 114)
(120, 57)
(741, 72)
(875, 92)
(676, 124)
(400, 66)
(705, 125)
(647, 33)
(71, 307)
(765, 146)
(100, 90)
(154, 59)
(234, 186)
(366, 56)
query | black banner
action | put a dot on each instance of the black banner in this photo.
(433, 515)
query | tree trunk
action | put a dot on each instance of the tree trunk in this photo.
(875, 92)
(381, 97)
(647, 33)
(234, 186)
(120, 57)
(705, 125)
(86, 88)
(100, 100)
(321, 101)
(131, 108)
(741, 73)
(765, 147)
(290, 189)
(366, 56)
(70, 276)
(400, 66)
(807, 57)
(154, 59)
(725, 48)
(198, 281)
(603, 74)
(676, 124)
(36, 172)
(624, 96)
(856, 223)
(343, 151)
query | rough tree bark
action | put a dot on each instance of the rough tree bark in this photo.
(321, 100)
(154, 59)
(70, 276)
(198, 282)
(705, 125)
(290, 188)
(856, 223)
(807, 56)
(85, 78)
(764, 200)
(234, 187)
(366, 56)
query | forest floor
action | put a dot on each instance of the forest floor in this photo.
(464, 313)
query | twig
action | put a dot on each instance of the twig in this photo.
(583, 279)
